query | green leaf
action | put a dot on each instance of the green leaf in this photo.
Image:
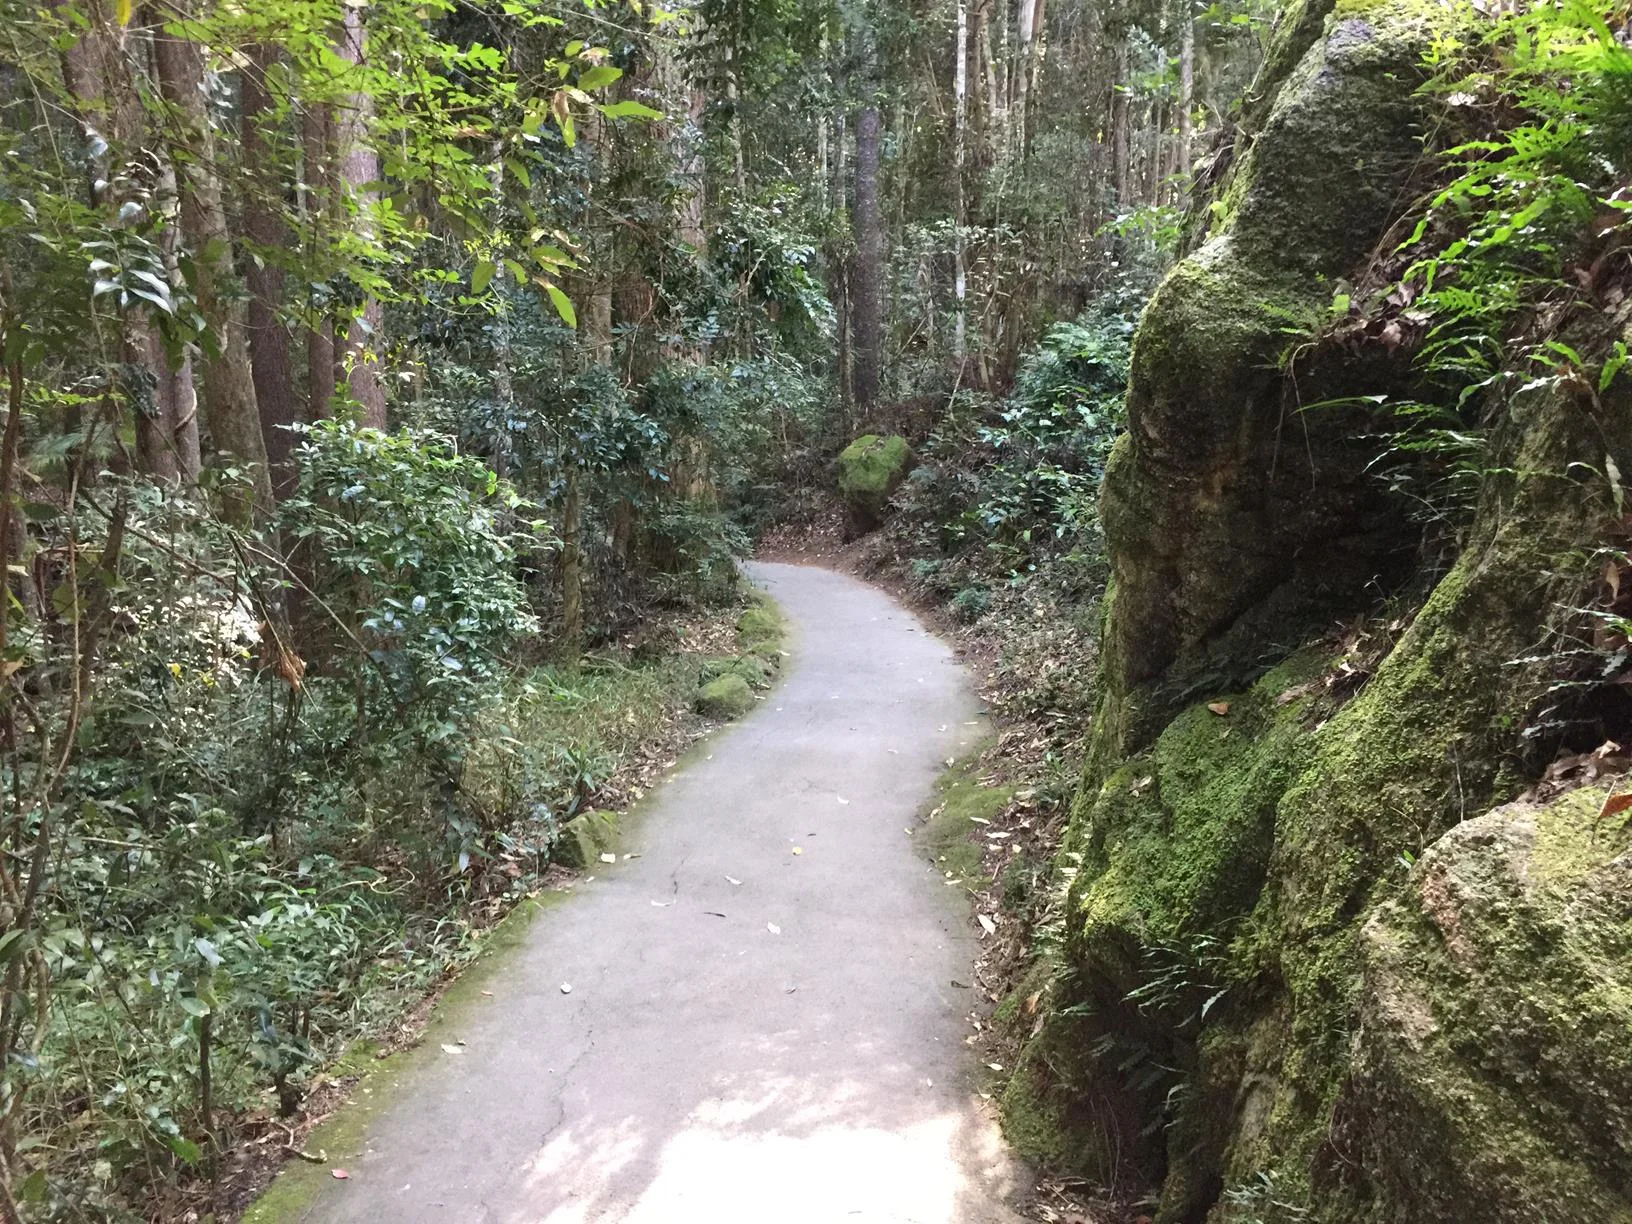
(599, 77)
(193, 1006)
(563, 305)
(630, 110)
(482, 277)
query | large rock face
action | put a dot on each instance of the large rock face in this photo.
(1238, 515)
(1253, 1003)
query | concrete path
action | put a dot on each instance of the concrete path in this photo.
(784, 1050)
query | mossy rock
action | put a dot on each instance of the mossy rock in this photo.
(727, 697)
(871, 469)
(583, 839)
(1493, 1063)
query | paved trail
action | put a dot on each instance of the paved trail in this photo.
(705, 1070)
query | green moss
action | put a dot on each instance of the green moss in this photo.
(585, 837)
(870, 469)
(956, 814)
(872, 466)
(727, 697)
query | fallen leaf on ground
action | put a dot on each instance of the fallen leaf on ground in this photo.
(987, 924)
(995, 1066)
(566, 987)
(1615, 804)
(662, 904)
(339, 1174)
(732, 880)
(773, 928)
(451, 1049)
(609, 858)
(1220, 708)
(841, 799)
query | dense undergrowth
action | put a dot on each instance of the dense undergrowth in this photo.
(264, 856)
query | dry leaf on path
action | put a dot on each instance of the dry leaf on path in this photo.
(451, 1049)
(339, 1174)
(732, 880)
(609, 858)
(1220, 708)
(987, 924)
(773, 928)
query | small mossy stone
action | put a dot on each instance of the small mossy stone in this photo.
(870, 469)
(726, 697)
(759, 624)
(583, 839)
(753, 669)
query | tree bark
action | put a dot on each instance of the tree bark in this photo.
(321, 206)
(1187, 90)
(98, 78)
(1119, 123)
(264, 225)
(960, 142)
(360, 170)
(229, 384)
(866, 283)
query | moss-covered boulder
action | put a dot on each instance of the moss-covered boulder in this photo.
(1493, 1063)
(870, 469)
(726, 697)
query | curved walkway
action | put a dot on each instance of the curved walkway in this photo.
(753, 1035)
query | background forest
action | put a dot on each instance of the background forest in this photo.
(391, 388)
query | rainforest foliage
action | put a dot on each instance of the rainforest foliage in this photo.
(390, 390)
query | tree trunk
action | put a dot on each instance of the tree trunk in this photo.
(960, 141)
(229, 384)
(1119, 124)
(322, 206)
(866, 283)
(1187, 91)
(97, 77)
(360, 170)
(264, 225)
(1020, 73)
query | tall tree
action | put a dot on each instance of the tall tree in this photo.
(960, 147)
(268, 232)
(229, 383)
(360, 172)
(867, 282)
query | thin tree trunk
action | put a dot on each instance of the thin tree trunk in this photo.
(739, 168)
(321, 206)
(264, 225)
(1187, 90)
(360, 170)
(1119, 124)
(960, 142)
(96, 73)
(867, 281)
(988, 62)
(1020, 73)
(229, 384)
